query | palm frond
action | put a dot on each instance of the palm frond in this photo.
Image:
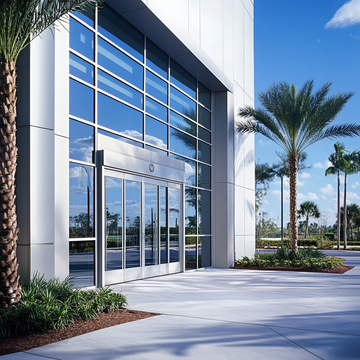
(24, 20)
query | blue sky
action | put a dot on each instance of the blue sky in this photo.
(300, 40)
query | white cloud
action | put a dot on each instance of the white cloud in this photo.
(264, 143)
(305, 175)
(323, 197)
(301, 183)
(328, 163)
(355, 185)
(278, 194)
(347, 15)
(309, 197)
(319, 165)
(353, 196)
(328, 190)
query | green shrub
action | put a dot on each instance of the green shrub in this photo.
(354, 248)
(284, 257)
(52, 304)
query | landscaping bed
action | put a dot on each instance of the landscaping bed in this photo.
(35, 339)
(338, 270)
(304, 260)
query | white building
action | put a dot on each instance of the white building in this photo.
(129, 165)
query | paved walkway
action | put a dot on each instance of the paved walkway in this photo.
(230, 314)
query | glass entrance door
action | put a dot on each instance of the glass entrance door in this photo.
(142, 227)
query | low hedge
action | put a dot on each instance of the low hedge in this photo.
(312, 263)
(286, 242)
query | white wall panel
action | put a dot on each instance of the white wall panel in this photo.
(228, 38)
(249, 211)
(61, 226)
(249, 246)
(249, 6)
(42, 259)
(249, 162)
(211, 30)
(248, 55)
(42, 77)
(61, 109)
(239, 247)
(239, 210)
(239, 43)
(42, 185)
(194, 20)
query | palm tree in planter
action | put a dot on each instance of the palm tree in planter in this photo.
(352, 166)
(21, 22)
(337, 166)
(295, 119)
(308, 209)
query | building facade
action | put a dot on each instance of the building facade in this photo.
(129, 166)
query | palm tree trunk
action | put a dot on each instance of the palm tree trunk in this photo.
(307, 227)
(293, 169)
(9, 278)
(345, 211)
(338, 213)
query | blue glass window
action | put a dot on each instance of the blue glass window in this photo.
(86, 15)
(204, 152)
(204, 117)
(120, 32)
(204, 212)
(156, 87)
(119, 117)
(182, 79)
(155, 132)
(204, 176)
(182, 123)
(81, 201)
(81, 101)
(81, 141)
(81, 69)
(156, 59)
(190, 211)
(121, 138)
(190, 170)
(204, 135)
(120, 64)
(182, 103)
(182, 143)
(119, 89)
(156, 109)
(82, 263)
(204, 96)
(81, 39)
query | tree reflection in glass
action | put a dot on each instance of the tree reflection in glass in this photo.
(81, 201)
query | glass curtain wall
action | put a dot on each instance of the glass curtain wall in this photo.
(124, 86)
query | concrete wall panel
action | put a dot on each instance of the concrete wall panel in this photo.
(42, 260)
(211, 30)
(194, 20)
(239, 43)
(228, 38)
(239, 210)
(42, 185)
(249, 55)
(249, 211)
(42, 78)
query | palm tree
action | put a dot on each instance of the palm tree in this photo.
(352, 166)
(308, 209)
(338, 165)
(295, 120)
(21, 22)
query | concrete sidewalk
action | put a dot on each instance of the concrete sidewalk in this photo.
(230, 314)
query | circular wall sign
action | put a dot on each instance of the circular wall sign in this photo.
(152, 167)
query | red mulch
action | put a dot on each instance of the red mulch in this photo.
(79, 327)
(339, 270)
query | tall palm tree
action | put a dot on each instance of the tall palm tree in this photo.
(21, 22)
(295, 120)
(308, 209)
(337, 166)
(352, 166)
